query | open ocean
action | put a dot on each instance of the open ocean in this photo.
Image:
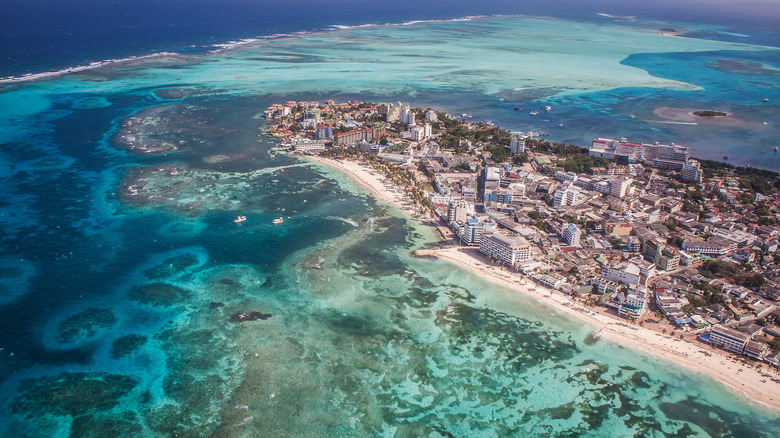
(122, 271)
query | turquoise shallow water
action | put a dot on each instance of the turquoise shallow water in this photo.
(124, 273)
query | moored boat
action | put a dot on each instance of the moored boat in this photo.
(239, 219)
(278, 220)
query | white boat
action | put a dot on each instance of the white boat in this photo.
(278, 220)
(547, 108)
(239, 219)
(534, 113)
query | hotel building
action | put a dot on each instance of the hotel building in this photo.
(730, 340)
(626, 273)
(622, 151)
(635, 304)
(510, 250)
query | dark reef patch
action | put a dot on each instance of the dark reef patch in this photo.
(71, 394)
(743, 67)
(159, 294)
(714, 420)
(174, 93)
(249, 316)
(126, 345)
(167, 128)
(84, 324)
(89, 426)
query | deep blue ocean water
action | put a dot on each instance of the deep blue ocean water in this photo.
(122, 271)
(39, 35)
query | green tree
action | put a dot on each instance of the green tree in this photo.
(755, 281)
(520, 159)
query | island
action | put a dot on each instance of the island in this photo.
(709, 113)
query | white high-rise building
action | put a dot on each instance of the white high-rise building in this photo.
(517, 145)
(420, 133)
(457, 211)
(567, 195)
(471, 232)
(407, 116)
(571, 234)
(619, 187)
(417, 133)
(431, 116)
(602, 187)
(691, 171)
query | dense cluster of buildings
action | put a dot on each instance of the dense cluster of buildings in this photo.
(625, 237)
(633, 236)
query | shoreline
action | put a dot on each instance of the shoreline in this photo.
(695, 357)
(371, 180)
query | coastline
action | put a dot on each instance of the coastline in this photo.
(695, 357)
(371, 180)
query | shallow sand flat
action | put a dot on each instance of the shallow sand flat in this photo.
(687, 116)
(212, 159)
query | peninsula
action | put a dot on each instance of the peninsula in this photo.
(670, 255)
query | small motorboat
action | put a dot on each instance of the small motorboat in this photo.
(239, 219)
(278, 220)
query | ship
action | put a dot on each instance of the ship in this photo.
(239, 219)
(279, 220)
(534, 113)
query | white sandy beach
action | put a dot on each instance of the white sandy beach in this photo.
(372, 180)
(762, 387)
(694, 356)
